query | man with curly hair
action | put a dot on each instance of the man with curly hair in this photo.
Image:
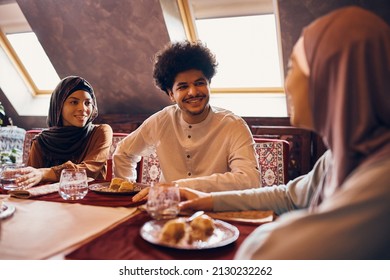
(199, 146)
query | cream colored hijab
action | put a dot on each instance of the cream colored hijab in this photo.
(348, 53)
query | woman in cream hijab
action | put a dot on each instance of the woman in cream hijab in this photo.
(338, 85)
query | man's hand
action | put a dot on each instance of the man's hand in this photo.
(143, 194)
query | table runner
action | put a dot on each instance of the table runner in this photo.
(124, 242)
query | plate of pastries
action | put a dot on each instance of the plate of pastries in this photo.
(117, 186)
(203, 232)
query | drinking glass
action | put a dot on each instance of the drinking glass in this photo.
(163, 201)
(9, 173)
(73, 184)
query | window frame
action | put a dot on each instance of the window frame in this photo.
(5, 44)
(17, 63)
(188, 20)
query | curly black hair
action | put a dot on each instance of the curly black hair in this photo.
(179, 57)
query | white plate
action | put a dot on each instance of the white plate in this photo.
(6, 210)
(224, 234)
(105, 189)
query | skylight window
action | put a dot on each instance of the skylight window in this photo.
(246, 48)
(25, 51)
(35, 60)
(244, 35)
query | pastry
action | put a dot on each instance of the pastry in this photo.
(202, 227)
(126, 186)
(116, 183)
(173, 231)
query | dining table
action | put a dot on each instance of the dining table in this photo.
(102, 226)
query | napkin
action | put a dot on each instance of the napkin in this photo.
(35, 191)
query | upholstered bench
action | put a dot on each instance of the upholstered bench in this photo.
(12, 139)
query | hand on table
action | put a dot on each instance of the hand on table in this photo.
(30, 177)
(191, 199)
(195, 200)
(141, 195)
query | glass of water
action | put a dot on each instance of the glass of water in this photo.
(163, 201)
(8, 175)
(73, 184)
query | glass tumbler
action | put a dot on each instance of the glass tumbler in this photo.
(73, 184)
(9, 173)
(163, 201)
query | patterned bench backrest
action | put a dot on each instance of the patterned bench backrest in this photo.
(116, 138)
(272, 155)
(11, 137)
(12, 140)
(149, 170)
(30, 134)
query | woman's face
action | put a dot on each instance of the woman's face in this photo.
(297, 90)
(77, 109)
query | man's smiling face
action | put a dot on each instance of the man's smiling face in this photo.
(191, 92)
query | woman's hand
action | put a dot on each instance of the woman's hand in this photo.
(185, 194)
(30, 177)
(195, 200)
(191, 199)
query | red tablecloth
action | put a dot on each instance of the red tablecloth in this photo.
(124, 242)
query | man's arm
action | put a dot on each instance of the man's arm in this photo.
(127, 154)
